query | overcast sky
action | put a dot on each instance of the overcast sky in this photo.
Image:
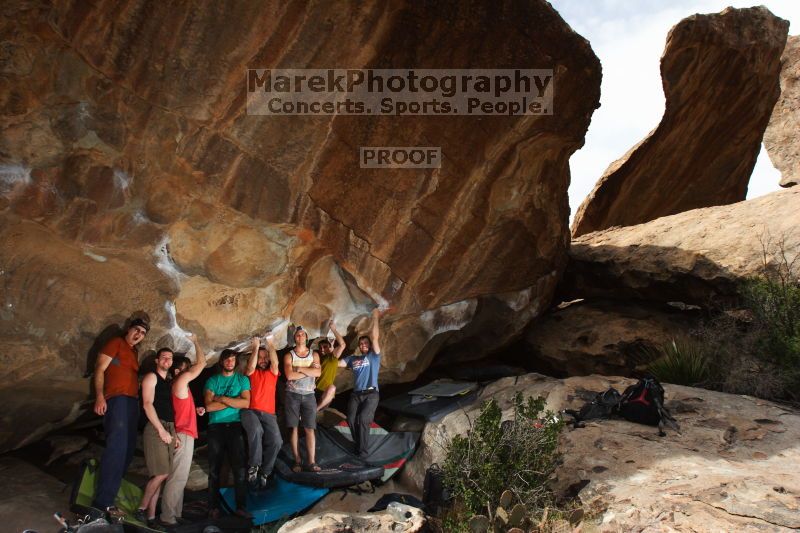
(629, 38)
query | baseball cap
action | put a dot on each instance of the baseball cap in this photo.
(139, 322)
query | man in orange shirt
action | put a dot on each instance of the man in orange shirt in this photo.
(116, 386)
(259, 421)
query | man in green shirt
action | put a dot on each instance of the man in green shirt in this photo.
(225, 394)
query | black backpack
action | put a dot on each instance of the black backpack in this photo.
(435, 496)
(643, 403)
(603, 405)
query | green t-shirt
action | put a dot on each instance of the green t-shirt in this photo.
(231, 386)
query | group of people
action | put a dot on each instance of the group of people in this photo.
(242, 420)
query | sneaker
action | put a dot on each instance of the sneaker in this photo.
(160, 525)
(93, 514)
(140, 515)
(115, 515)
(263, 480)
(156, 525)
(252, 476)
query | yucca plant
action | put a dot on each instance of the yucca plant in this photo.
(682, 361)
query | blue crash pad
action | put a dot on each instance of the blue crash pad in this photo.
(281, 499)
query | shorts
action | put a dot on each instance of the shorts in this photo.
(158, 455)
(301, 410)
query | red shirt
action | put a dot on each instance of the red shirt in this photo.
(185, 416)
(262, 391)
(122, 374)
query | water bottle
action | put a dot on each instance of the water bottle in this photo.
(400, 512)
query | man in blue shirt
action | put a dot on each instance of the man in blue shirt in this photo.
(364, 399)
(226, 393)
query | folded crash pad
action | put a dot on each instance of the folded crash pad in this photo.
(445, 387)
(430, 408)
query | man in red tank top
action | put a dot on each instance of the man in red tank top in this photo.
(186, 432)
(259, 421)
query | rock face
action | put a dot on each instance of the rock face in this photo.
(697, 257)
(132, 179)
(720, 74)
(730, 469)
(780, 139)
(601, 337)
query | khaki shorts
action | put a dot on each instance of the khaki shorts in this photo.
(158, 455)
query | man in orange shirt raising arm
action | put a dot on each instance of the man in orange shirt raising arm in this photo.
(259, 421)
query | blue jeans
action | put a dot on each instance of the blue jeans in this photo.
(120, 424)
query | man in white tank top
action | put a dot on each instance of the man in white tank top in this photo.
(301, 368)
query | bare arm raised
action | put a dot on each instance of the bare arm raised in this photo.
(180, 387)
(252, 361)
(273, 356)
(375, 333)
(339, 350)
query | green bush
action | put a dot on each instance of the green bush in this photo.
(682, 362)
(519, 455)
(775, 303)
(755, 349)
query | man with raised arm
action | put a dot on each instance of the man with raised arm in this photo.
(183, 372)
(158, 433)
(259, 421)
(226, 394)
(329, 360)
(116, 385)
(301, 367)
(365, 364)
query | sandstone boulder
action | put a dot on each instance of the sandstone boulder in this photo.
(697, 257)
(720, 74)
(125, 142)
(601, 337)
(409, 242)
(781, 139)
(730, 469)
(127, 154)
(410, 520)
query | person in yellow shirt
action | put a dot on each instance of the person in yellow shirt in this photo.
(329, 359)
